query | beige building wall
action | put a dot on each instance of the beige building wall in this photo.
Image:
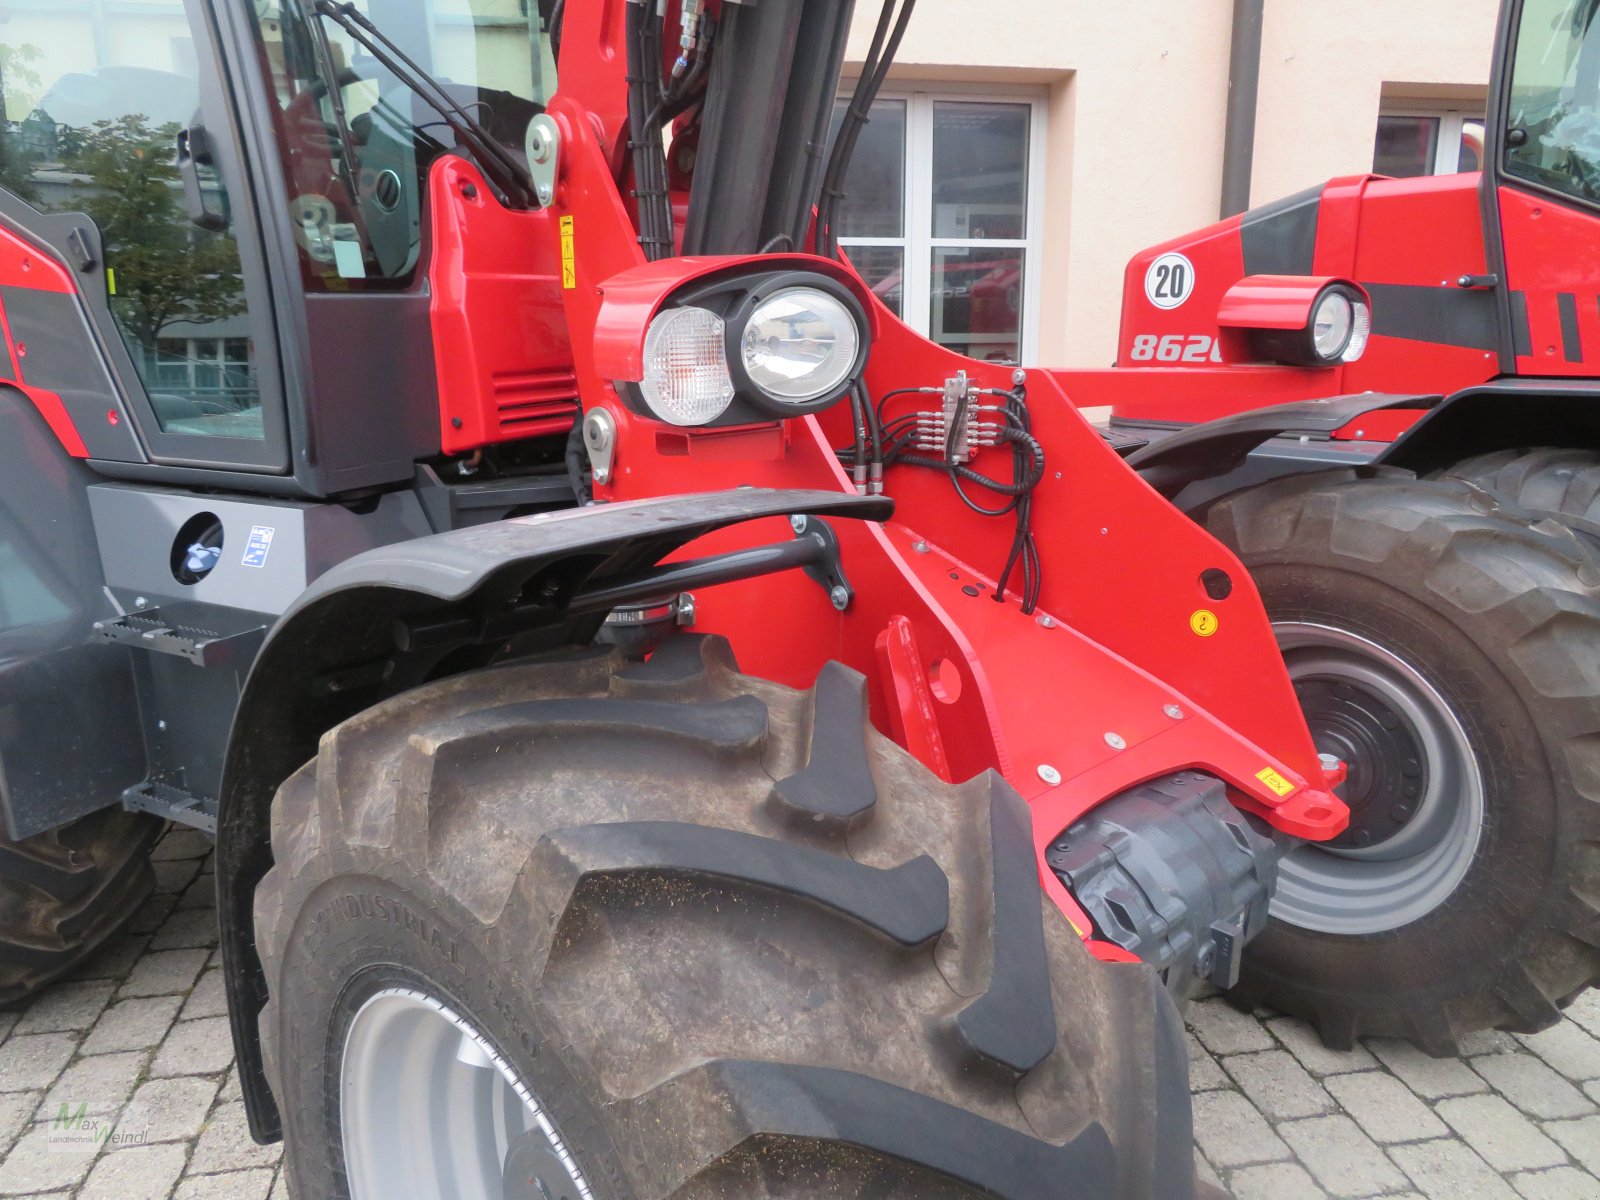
(1136, 99)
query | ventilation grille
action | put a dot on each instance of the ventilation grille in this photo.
(529, 401)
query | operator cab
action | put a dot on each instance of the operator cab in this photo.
(194, 269)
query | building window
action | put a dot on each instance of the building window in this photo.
(943, 216)
(1420, 139)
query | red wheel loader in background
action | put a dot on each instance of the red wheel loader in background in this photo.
(1404, 377)
(398, 451)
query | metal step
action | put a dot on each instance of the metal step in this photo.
(173, 804)
(147, 630)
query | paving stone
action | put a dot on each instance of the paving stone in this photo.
(1506, 1139)
(280, 1190)
(113, 960)
(1204, 1073)
(232, 1089)
(165, 973)
(16, 1113)
(103, 1082)
(1344, 1160)
(1567, 1048)
(1563, 1183)
(33, 1062)
(173, 877)
(136, 1173)
(234, 1185)
(1532, 1086)
(1592, 1090)
(186, 928)
(209, 998)
(1581, 1139)
(1223, 1029)
(1585, 1010)
(8, 1022)
(1447, 1170)
(1430, 1078)
(1232, 1133)
(226, 1144)
(203, 1047)
(132, 1025)
(1303, 1042)
(1204, 1171)
(1384, 1107)
(152, 913)
(32, 1166)
(1487, 1041)
(202, 893)
(1278, 1085)
(1274, 1181)
(170, 1109)
(181, 843)
(66, 1006)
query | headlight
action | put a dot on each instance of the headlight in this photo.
(686, 380)
(1340, 326)
(800, 345)
(1332, 324)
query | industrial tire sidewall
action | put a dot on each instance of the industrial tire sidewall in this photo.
(1494, 610)
(362, 934)
(628, 879)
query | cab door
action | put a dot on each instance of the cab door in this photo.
(1544, 181)
(118, 160)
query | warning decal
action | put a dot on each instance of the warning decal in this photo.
(1204, 623)
(569, 255)
(1276, 782)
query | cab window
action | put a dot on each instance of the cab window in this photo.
(96, 96)
(1553, 135)
(357, 144)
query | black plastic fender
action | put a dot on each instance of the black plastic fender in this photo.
(394, 617)
(1218, 447)
(1506, 414)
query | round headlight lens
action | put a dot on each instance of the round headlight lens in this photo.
(686, 380)
(800, 345)
(1332, 325)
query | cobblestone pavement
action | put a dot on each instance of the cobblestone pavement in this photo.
(139, 1040)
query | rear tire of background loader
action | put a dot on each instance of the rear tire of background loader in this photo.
(713, 984)
(1496, 616)
(1559, 483)
(63, 893)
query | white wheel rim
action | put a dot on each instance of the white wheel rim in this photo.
(429, 1109)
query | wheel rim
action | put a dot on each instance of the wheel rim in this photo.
(429, 1108)
(1415, 789)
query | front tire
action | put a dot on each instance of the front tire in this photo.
(1445, 646)
(585, 929)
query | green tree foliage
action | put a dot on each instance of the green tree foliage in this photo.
(167, 269)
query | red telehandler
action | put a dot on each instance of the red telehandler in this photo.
(668, 729)
(1402, 376)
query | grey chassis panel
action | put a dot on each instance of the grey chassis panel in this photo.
(1219, 447)
(334, 653)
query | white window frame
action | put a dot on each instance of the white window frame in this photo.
(918, 244)
(1452, 127)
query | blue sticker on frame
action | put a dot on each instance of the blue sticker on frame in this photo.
(259, 545)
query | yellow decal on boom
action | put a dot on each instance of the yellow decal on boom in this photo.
(1276, 782)
(569, 255)
(1204, 623)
